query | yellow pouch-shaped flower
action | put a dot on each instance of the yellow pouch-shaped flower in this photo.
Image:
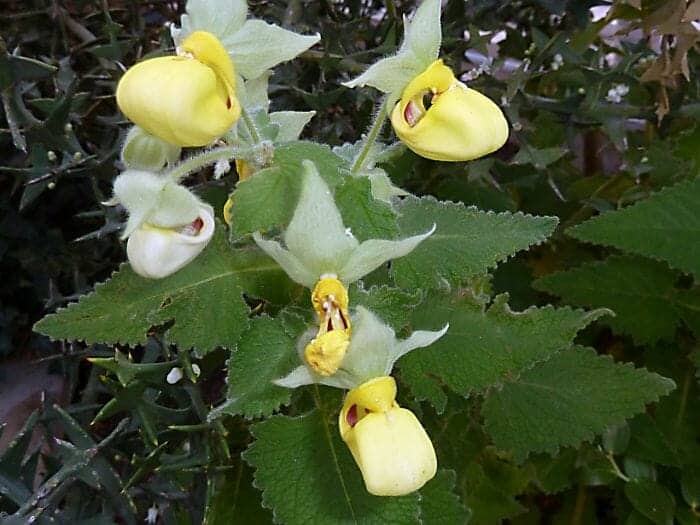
(390, 446)
(185, 100)
(440, 118)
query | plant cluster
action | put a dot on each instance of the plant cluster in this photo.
(330, 329)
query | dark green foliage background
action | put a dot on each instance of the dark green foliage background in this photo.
(571, 154)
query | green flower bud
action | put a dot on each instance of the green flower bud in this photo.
(143, 151)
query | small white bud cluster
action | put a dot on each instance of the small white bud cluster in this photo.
(616, 93)
(476, 72)
(557, 62)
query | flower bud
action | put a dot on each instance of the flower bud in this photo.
(142, 151)
(388, 443)
(156, 252)
(187, 100)
(440, 118)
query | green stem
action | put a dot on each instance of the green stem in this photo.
(220, 431)
(371, 137)
(579, 506)
(250, 125)
(616, 469)
(684, 397)
(206, 158)
(391, 10)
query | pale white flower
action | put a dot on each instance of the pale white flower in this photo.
(156, 252)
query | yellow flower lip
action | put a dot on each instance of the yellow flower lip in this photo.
(207, 49)
(330, 300)
(388, 443)
(325, 353)
(185, 100)
(375, 395)
(440, 118)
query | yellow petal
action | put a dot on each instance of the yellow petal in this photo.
(325, 353)
(459, 124)
(207, 49)
(330, 300)
(186, 101)
(388, 443)
(228, 209)
(244, 170)
(375, 395)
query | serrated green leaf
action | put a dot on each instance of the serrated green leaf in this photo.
(307, 475)
(482, 348)
(466, 241)
(566, 400)
(439, 504)
(270, 196)
(265, 352)
(367, 217)
(391, 305)
(640, 292)
(652, 500)
(665, 226)
(204, 300)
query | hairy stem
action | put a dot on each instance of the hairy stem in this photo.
(250, 125)
(197, 162)
(371, 137)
